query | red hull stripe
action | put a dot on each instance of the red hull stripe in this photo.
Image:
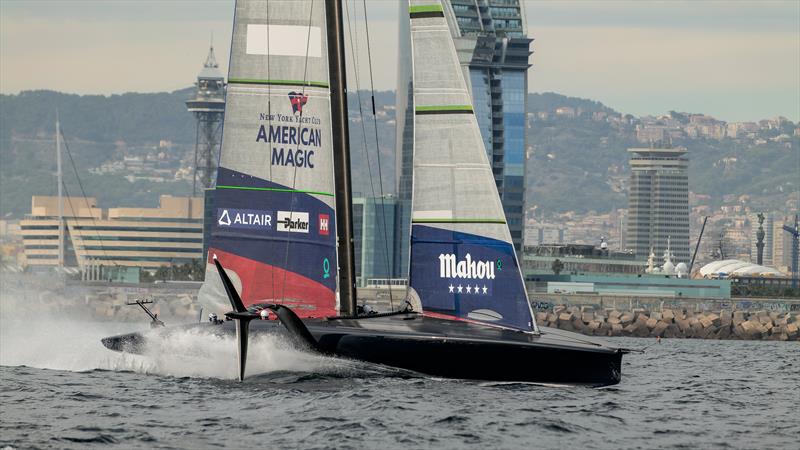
(266, 283)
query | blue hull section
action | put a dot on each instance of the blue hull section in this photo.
(468, 277)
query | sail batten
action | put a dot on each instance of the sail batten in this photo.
(274, 226)
(463, 264)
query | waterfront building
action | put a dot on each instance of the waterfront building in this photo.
(493, 48)
(589, 270)
(578, 258)
(627, 285)
(99, 242)
(658, 202)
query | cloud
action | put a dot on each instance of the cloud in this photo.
(740, 59)
(630, 66)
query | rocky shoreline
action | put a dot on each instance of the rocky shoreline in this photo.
(674, 323)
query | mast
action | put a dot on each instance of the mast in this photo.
(60, 177)
(341, 156)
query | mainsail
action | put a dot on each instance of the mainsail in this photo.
(274, 230)
(463, 264)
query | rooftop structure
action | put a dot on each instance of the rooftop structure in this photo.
(734, 267)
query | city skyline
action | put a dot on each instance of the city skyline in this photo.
(736, 62)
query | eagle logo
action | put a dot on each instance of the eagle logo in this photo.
(298, 100)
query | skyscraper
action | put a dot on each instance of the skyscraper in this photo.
(490, 38)
(658, 202)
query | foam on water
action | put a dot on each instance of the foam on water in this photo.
(73, 345)
(40, 339)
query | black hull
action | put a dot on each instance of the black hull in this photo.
(449, 349)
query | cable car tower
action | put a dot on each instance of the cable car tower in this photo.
(208, 108)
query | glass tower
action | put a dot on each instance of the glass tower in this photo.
(490, 37)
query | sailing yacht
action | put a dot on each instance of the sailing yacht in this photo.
(282, 246)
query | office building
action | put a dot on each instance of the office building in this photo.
(97, 241)
(658, 203)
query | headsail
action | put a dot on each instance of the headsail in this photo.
(274, 228)
(463, 263)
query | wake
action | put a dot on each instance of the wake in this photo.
(35, 335)
(73, 345)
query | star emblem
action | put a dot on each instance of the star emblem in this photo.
(459, 288)
(485, 289)
(477, 289)
(469, 289)
(450, 287)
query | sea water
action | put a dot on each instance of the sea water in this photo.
(59, 387)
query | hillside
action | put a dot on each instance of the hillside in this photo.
(576, 162)
(580, 163)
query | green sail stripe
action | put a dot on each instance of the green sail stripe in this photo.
(278, 82)
(425, 9)
(296, 191)
(458, 221)
(443, 108)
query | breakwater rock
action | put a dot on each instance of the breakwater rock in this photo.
(674, 323)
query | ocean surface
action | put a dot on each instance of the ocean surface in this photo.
(60, 388)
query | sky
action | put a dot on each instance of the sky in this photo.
(735, 60)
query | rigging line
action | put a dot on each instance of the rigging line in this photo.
(299, 125)
(354, 51)
(80, 185)
(354, 48)
(72, 208)
(354, 56)
(377, 149)
(358, 94)
(269, 123)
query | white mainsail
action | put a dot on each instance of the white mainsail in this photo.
(463, 264)
(274, 229)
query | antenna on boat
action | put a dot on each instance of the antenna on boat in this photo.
(155, 322)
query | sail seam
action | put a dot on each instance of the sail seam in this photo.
(278, 82)
(291, 191)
